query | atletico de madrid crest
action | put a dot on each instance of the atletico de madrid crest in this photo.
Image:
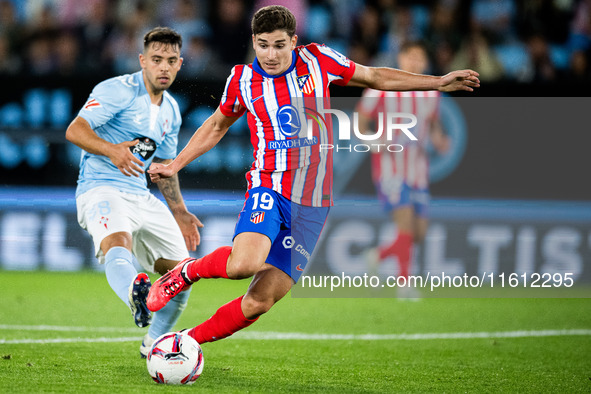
(306, 83)
(257, 217)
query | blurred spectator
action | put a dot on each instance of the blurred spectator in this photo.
(126, 43)
(367, 35)
(199, 60)
(534, 40)
(343, 13)
(41, 17)
(67, 54)
(230, 24)
(548, 18)
(581, 27)
(494, 18)
(70, 13)
(166, 11)
(359, 53)
(124, 50)
(9, 62)
(443, 57)
(543, 69)
(580, 67)
(10, 28)
(34, 9)
(38, 58)
(11, 35)
(94, 29)
(40, 30)
(188, 20)
(140, 14)
(399, 26)
(318, 24)
(475, 53)
(444, 26)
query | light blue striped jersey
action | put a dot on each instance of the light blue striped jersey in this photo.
(118, 110)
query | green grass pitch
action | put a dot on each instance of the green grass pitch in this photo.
(67, 312)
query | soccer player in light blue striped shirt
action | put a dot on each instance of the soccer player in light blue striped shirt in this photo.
(127, 123)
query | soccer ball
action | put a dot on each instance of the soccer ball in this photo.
(175, 358)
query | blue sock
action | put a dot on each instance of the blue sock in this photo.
(164, 320)
(135, 263)
(120, 271)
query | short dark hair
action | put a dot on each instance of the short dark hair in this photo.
(271, 18)
(164, 35)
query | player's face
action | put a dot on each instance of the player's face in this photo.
(414, 60)
(160, 62)
(273, 50)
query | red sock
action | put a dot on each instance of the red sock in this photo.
(211, 266)
(225, 322)
(401, 248)
(404, 263)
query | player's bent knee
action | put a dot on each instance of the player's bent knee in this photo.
(255, 307)
(238, 268)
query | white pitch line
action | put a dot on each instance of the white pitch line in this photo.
(68, 340)
(254, 335)
(17, 327)
(270, 335)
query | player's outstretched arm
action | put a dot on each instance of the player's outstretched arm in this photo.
(82, 135)
(188, 223)
(205, 138)
(391, 79)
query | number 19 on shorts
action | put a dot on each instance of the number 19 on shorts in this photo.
(263, 201)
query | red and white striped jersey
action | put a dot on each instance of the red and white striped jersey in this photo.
(279, 108)
(412, 164)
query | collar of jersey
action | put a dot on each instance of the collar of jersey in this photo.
(142, 83)
(256, 67)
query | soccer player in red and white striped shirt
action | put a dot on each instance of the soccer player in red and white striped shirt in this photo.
(402, 178)
(290, 181)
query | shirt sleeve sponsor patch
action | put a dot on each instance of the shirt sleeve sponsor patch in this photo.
(91, 104)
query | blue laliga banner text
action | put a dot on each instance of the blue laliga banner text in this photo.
(39, 230)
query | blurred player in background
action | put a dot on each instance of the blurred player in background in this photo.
(127, 123)
(290, 182)
(402, 178)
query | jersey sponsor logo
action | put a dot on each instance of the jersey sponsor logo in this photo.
(299, 268)
(144, 149)
(91, 104)
(257, 217)
(289, 120)
(104, 220)
(306, 84)
(288, 242)
(293, 143)
(290, 124)
(300, 249)
(138, 119)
